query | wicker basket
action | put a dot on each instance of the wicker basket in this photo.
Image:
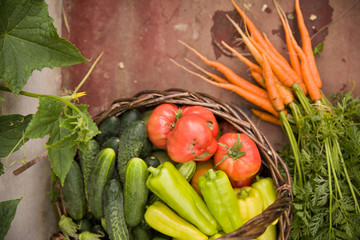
(271, 161)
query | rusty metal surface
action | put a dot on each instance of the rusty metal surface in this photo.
(139, 37)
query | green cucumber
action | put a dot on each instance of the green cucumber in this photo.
(128, 117)
(102, 171)
(113, 142)
(86, 160)
(146, 115)
(135, 191)
(74, 193)
(132, 141)
(152, 161)
(114, 211)
(140, 233)
(187, 169)
(110, 127)
(146, 149)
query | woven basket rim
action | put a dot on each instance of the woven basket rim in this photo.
(281, 208)
(234, 115)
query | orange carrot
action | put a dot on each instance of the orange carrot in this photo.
(264, 103)
(258, 77)
(284, 72)
(211, 75)
(266, 117)
(249, 63)
(231, 75)
(306, 45)
(271, 86)
(294, 59)
(251, 26)
(255, 53)
(285, 93)
(313, 90)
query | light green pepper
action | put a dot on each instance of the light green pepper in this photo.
(220, 198)
(161, 218)
(170, 186)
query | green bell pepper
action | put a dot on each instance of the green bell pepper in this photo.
(267, 190)
(161, 218)
(250, 202)
(220, 198)
(170, 186)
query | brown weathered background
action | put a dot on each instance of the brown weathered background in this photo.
(139, 37)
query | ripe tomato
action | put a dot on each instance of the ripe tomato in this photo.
(160, 123)
(191, 139)
(242, 183)
(204, 113)
(238, 156)
(195, 141)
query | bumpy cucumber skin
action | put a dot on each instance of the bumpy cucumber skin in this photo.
(135, 191)
(110, 127)
(132, 141)
(74, 193)
(114, 211)
(87, 159)
(127, 118)
(103, 168)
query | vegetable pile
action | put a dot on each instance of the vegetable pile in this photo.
(167, 172)
(324, 151)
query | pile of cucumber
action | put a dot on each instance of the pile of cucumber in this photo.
(105, 192)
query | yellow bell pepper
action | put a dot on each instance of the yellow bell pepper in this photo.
(249, 201)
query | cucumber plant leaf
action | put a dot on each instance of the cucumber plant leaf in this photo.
(12, 128)
(47, 114)
(29, 41)
(60, 158)
(7, 214)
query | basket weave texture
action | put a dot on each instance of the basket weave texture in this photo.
(271, 161)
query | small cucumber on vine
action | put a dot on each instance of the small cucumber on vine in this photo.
(74, 193)
(86, 160)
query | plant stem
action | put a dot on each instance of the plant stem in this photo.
(304, 101)
(294, 146)
(36, 95)
(88, 74)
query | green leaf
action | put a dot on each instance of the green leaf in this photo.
(29, 41)
(12, 128)
(44, 119)
(60, 158)
(318, 49)
(7, 213)
(1, 99)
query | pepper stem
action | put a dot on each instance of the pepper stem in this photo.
(153, 171)
(211, 175)
(243, 194)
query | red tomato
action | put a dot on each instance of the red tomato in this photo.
(242, 183)
(239, 156)
(191, 139)
(204, 113)
(160, 123)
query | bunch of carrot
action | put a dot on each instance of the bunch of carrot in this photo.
(287, 91)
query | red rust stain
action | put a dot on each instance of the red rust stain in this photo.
(320, 9)
(223, 30)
